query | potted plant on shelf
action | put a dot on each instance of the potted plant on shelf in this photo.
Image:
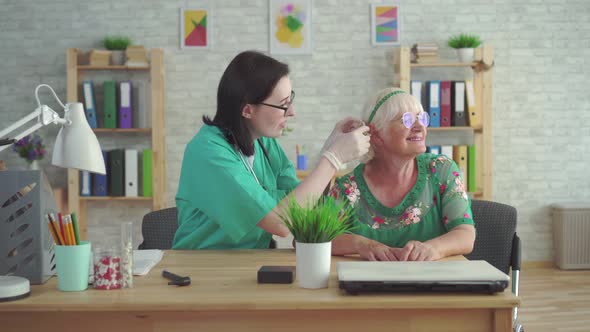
(118, 45)
(314, 226)
(465, 45)
(31, 148)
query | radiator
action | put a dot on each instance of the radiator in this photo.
(571, 235)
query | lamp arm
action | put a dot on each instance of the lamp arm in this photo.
(44, 114)
(54, 95)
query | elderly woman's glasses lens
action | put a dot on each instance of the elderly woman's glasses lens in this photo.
(409, 119)
(287, 105)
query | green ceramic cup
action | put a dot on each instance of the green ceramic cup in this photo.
(73, 263)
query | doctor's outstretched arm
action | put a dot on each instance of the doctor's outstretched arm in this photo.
(341, 147)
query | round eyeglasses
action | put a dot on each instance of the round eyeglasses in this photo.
(287, 104)
(408, 119)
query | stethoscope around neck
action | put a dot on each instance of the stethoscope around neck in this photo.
(248, 166)
(245, 162)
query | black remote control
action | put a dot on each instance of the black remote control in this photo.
(176, 279)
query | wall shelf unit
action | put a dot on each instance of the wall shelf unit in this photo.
(76, 73)
(480, 136)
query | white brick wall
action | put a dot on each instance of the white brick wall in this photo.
(541, 103)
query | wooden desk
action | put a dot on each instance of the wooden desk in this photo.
(224, 296)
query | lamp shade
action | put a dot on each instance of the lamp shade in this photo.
(76, 145)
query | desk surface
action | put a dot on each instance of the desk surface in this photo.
(226, 280)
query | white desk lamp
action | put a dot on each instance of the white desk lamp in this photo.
(76, 147)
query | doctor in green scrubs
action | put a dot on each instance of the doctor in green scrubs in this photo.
(235, 176)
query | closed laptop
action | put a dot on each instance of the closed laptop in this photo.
(439, 276)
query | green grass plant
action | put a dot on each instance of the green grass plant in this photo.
(116, 43)
(320, 222)
(464, 41)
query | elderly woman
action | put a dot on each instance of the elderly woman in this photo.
(409, 205)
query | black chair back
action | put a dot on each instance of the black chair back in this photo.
(158, 229)
(496, 229)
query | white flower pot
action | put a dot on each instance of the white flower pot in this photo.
(34, 165)
(313, 264)
(118, 58)
(465, 54)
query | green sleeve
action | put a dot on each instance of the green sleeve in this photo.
(456, 205)
(215, 181)
(287, 178)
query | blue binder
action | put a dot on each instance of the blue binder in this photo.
(99, 181)
(433, 102)
(89, 104)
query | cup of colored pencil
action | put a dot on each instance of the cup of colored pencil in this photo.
(64, 229)
(72, 255)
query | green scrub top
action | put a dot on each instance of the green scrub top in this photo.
(437, 203)
(219, 201)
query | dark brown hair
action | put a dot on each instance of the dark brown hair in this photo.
(248, 79)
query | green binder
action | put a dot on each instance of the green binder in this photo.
(116, 160)
(471, 183)
(147, 173)
(110, 104)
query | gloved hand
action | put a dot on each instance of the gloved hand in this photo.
(343, 147)
(344, 126)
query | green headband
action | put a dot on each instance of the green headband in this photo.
(397, 92)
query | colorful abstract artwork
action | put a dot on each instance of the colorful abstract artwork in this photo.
(385, 24)
(194, 28)
(290, 26)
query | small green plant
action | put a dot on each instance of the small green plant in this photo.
(320, 222)
(464, 41)
(116, 43)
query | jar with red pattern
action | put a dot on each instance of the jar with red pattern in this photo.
(107, 269)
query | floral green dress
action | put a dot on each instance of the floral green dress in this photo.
(437, 203)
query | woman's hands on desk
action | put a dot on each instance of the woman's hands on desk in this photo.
(417, 251)
(413, 251)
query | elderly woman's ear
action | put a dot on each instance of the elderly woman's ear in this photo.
(375, 135)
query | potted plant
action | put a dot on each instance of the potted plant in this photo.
(314, 226)
(31, 148)
(118, 45)
(465, 45)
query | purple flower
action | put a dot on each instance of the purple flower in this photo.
(30, 148)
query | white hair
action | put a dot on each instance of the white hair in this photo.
(391, 108)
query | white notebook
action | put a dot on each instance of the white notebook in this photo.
(145, 260)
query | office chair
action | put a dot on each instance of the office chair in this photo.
(158, 229)
(497, 242)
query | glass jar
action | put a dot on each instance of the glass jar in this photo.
(127, 254)
(107, 269)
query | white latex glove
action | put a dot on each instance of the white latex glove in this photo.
(342, 127)
(347, 147)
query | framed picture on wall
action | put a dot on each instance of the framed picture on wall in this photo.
(385, 24)
(195, 27)
(290, 26)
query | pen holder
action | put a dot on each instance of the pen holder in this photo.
(107, 269)
(72, 267)
(302, 162)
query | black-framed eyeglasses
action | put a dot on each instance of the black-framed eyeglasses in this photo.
(284, 108)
